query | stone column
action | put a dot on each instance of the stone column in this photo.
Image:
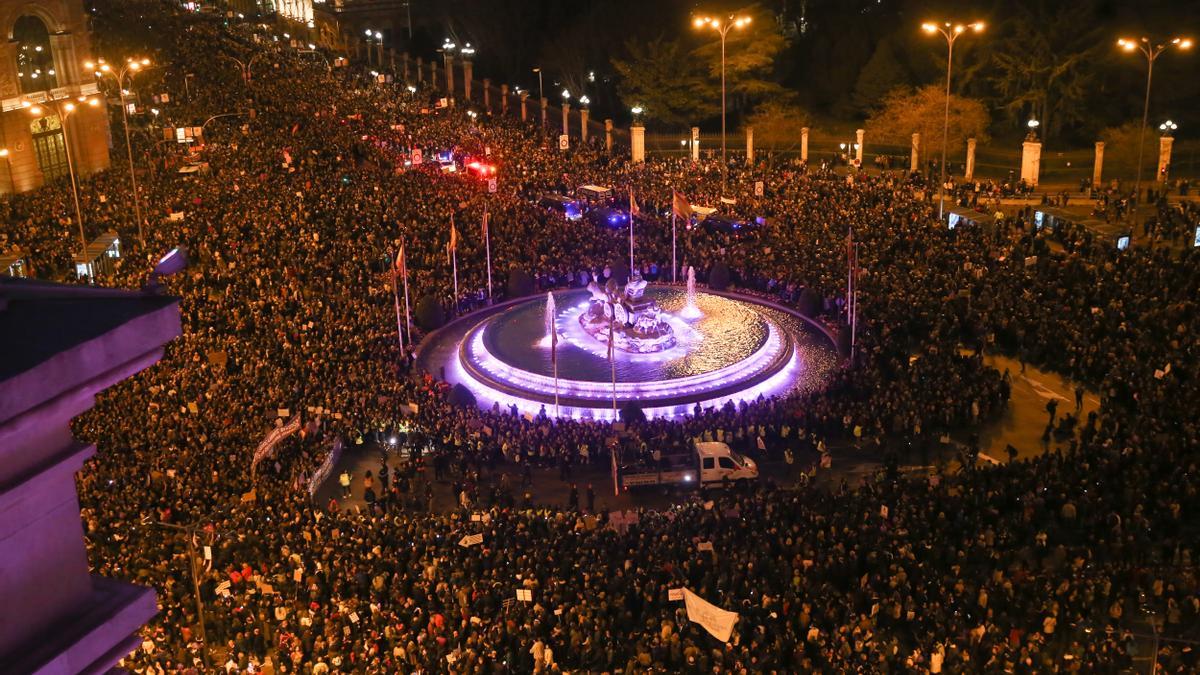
(468, 73)
(392, 56)
(566, 111)
(524, 115)
(749, 146)
(608, 129)
(545, 111)
(504, 99)
(406, 60)
(970, 172)
(915, 162)
(637, 143)
(433, 81)
(487, 95)
(858, 153)
(1164, 157)
(804, 144)
(449, 75)
(1098, 166)
(420, 70)
(695, 144)
(1031, 162)
(583, 121)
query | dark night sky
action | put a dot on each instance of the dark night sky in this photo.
(829, 43)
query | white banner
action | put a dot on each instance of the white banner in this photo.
(718, 622)
(471, 540)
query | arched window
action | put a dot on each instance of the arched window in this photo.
(35, 60)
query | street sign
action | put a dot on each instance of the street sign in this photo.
(492, 185)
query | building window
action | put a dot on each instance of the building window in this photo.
(50, 146)
(35, 59)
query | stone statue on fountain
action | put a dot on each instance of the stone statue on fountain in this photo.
(637, 324)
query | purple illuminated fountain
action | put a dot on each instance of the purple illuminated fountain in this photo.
(672, 350)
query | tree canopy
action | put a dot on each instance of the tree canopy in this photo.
(906, 111)
(662, 77)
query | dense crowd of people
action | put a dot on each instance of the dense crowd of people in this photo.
(1059, 563)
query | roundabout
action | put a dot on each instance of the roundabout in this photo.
(671, 351)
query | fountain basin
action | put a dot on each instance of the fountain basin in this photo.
(740, 349)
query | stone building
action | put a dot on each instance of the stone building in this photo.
(59, 347)
(41, 71)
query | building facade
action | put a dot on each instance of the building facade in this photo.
(61, 345)
(46, 43)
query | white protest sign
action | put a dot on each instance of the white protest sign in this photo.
(492, 185)
(524, 595)
(563, 142)
(416, 156)
(353, 617)
(208, 553)
(674, 594)
(471, 540)
(758, 188)
(704, 546)
(718, 622)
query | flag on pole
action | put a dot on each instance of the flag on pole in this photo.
(633, 207)
(485, 222)
(452, 247)
(400, 266)
(680, 206)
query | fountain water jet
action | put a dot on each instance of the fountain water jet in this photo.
(690, 310)
(549, 316)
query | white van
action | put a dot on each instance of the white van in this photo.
(709, 463)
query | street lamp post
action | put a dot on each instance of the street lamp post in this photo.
(541, 94)
(951, 32)
(722, 26)
(130, 69)
(447, 50)
(64, 109)
(1151, 51)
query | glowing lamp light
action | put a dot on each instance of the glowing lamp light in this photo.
(636, 110)
(584, 100)
(1033, 124)
(566, 94)
(3, 152)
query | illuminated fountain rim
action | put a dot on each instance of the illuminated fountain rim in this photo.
(437, 352)
(490, 370)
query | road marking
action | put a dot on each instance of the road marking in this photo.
(1042, 390)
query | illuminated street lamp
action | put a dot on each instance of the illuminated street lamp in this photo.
(1151, 51)
(566, 94)
(722, 26)
(1168, 128)
(131, 68)
(951, 32)
(64, 108)
(584, 100)
(541, 92)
